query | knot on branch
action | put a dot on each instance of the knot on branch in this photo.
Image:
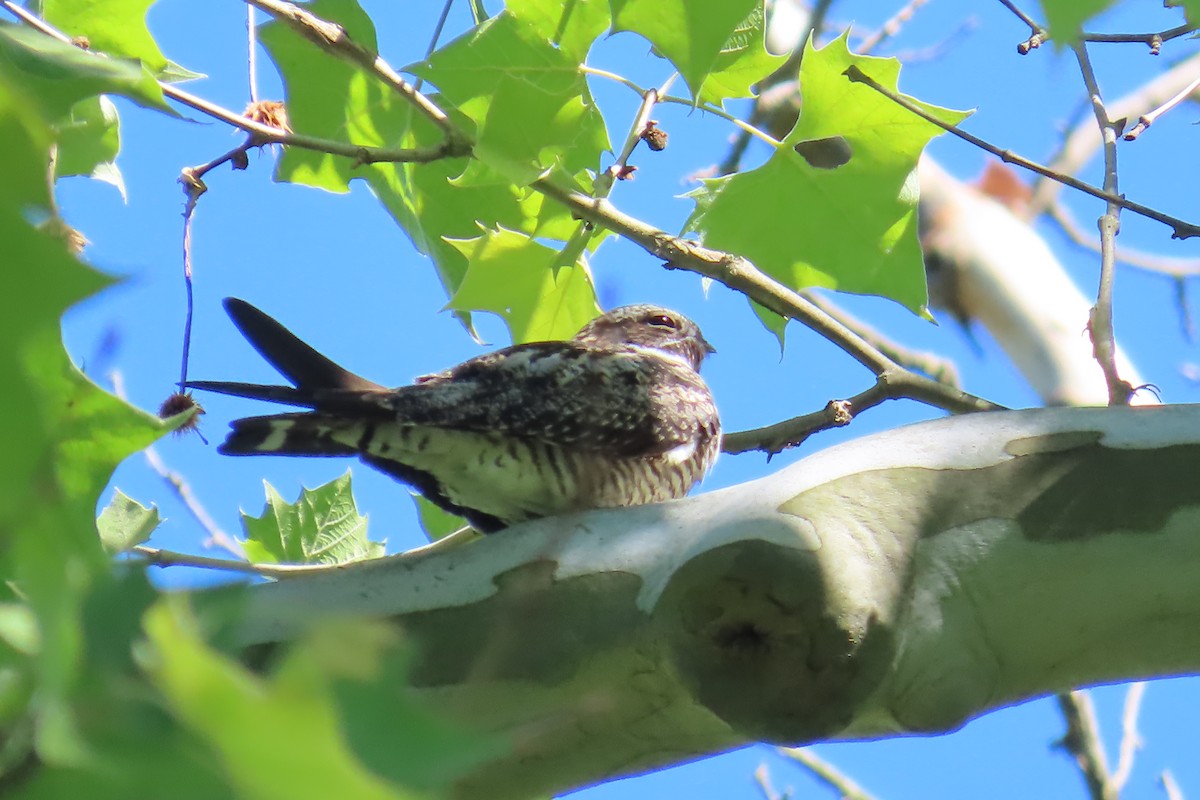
(759, 636)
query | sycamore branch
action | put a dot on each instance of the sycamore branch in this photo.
(1181, 229)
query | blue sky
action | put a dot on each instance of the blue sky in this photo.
(338, 271)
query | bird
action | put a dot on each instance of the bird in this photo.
(616, 416)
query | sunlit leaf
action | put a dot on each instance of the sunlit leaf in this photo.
(868, 191)
(691, 33)
(88, 142)
(529, 102)
(115, 27)
(329, 98)
(571, 26)
(245, 718)
(323, 526)
(517, 278)
(57, 75)
(742, 62)
(436, 522)
(125, 522)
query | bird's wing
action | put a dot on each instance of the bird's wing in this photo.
(621, 401)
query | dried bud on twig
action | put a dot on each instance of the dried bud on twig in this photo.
(654, 136)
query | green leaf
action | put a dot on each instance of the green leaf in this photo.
(571, 26)
(63, 435)
(323, 526)
(125, 522)
(856, 177)
(329, 98)
(1191, 9)
(691, 33)
(530, 103)
(742, 62)
(1065, 18)
(58, 75)
(247, 720)
(513, 276)
(435, 522)
(88, 142)
(115, 27)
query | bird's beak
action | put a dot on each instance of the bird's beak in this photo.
(708, 348)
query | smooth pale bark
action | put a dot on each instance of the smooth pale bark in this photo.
(997, 270)
(902, 582)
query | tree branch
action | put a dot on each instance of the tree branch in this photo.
(1082, 141)
(1082, 741)
(1180, 228)
(740, 275)
(846, 787)
(333, 38)
(865, 591)
(1100, 321)
(267, 134)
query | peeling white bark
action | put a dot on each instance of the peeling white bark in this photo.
(1006, 277)
(903, 582)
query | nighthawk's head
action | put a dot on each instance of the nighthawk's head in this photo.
(649, 326)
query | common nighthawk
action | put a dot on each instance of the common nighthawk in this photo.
(616, 416)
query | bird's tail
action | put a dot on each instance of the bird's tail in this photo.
(297, 434)
(316, 380)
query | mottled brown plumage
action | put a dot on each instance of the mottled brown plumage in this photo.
(616, 416)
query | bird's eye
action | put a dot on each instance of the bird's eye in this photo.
(664, 321)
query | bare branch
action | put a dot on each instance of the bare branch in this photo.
(158, 557)
(182, 489)
(1180, 228)
(267, 134)
(1147, 119)
(333, 38)
(1146, 262)
(1082, 741)
(940, 369)
(1170, 786)
(827, 773)
(742, 276)
(1082, 141)
(1131, 740)
(1100, 322)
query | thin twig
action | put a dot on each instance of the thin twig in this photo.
(1100, 320)
(1148, 119)
(216, 535)
(1170, 786)
(940, 369)
(620, 169)
(683, 101)
(776, 438)
(1078, 146)
(1180, 228)
(1146, 262)
(1152, 40)
(433, 40)
(890, 28)
(1037, 34)
(268, 134)
(1082, 741)
(1131, 740)
(762, 777)
(252, 53)
(846, 787)
(741, 275)
(158, 557)
(788, 72)
(333, 38)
